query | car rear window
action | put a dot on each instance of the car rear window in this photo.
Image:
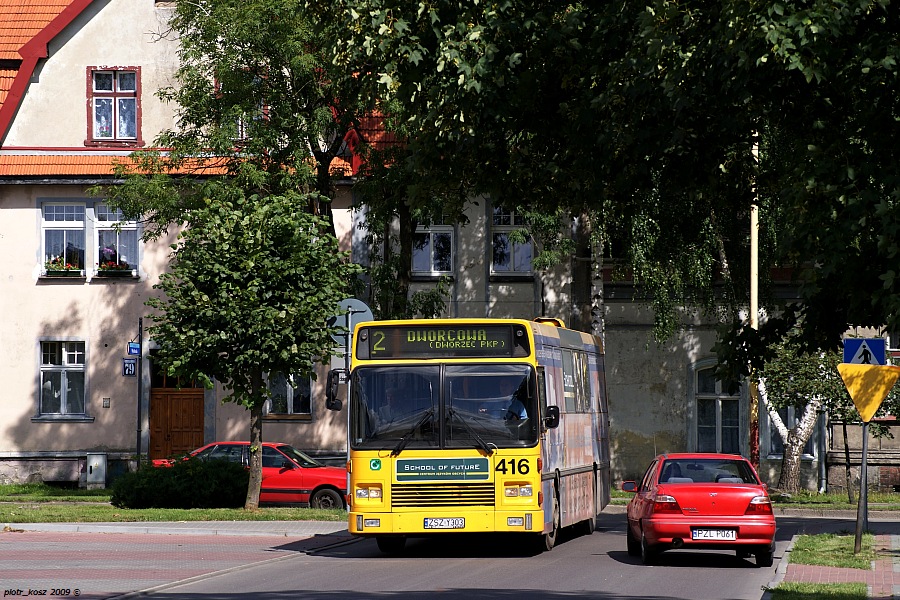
(706, 471)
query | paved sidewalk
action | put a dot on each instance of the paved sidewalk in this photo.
(883, 579)
(95, 561)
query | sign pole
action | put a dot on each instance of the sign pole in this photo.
(862, 509)
(140, 387)
(867, 385)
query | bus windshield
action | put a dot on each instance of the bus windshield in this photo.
(436, 406)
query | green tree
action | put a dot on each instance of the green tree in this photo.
(251, 284)
(810, 384)
(261, 114)
(644, 116)
(558, 108)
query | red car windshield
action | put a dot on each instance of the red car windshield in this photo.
(300, 458)
(704, 470)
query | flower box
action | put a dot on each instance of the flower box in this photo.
(117, 273)
(64, 273)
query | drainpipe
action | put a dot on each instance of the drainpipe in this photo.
(823, 468)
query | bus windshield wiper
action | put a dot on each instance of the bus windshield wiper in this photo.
(406, 438)
(481, 443)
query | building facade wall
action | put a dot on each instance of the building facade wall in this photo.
(651, 386)
(112, 33)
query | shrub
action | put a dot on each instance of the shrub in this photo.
(187, 484)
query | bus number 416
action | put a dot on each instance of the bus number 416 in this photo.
(511, 466)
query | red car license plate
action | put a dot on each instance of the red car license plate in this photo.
(714, 534)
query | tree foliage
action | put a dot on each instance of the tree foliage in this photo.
(255, 86)
(574, 109)
(646, 116)
(261, 113)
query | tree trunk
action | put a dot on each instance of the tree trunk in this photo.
(386, 300)
(789, 480)
(252, 502)
(598, 310)
(407, 226)
(792, 439)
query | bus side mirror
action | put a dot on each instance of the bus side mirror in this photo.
(331, 389)
(551, 418)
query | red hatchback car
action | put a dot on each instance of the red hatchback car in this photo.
(289, 476)
(701, 501)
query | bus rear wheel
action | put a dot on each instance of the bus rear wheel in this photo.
(391, 544)
(588, 526)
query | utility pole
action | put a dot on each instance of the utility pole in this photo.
(754, 307)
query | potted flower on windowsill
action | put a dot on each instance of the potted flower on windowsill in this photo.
(58, 267)
(112, 268)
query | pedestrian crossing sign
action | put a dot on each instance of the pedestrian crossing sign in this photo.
(864, 351)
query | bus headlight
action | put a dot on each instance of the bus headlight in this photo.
(371, 492)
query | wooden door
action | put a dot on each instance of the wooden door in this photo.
(176, 421)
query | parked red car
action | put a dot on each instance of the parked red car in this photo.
(702, 501)
(289, 476)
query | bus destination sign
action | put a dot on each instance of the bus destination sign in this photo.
(440, 341)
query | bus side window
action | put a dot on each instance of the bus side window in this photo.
(569, 384)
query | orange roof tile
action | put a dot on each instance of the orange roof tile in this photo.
(22, 20)
(26, 27)
(6, 81)
(75, 164)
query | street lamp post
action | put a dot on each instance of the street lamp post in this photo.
(754, 309)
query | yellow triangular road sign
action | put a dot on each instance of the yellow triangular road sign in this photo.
(868, 385)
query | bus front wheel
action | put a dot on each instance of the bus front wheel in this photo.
(548, 540)
(391, 544)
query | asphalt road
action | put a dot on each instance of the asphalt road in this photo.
(320, 561)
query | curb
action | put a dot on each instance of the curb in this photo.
(780, 570)
(297, 529)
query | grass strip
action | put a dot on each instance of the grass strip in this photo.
(92, 512)
(833, 550)
(813, 591)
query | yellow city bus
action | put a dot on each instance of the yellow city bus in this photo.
(474, 425)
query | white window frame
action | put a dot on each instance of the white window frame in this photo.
(504, 222)
(291, 389)
(432, 231)
(72, 358)
(109, 224)
(718, 395)
(70, 218)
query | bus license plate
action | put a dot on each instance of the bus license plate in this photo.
(445, 523)
(714, 534)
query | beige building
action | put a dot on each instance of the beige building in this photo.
(77, 405)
